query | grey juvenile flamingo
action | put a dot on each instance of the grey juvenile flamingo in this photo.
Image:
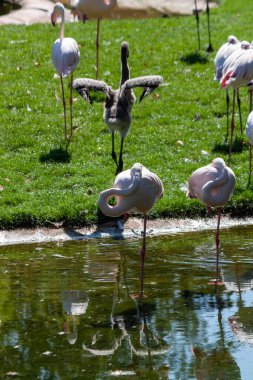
(119, 103)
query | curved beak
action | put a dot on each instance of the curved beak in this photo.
(54, 19)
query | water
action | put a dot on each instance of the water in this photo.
(67, 310)
(7, 7)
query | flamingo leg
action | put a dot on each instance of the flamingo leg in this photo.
(143, 253)
(227, 103)
(114, 157)
(210, 48)
(197, 21)
(97, 48)
(120, 167)
(71, 105)
(250, 164)
(250, 100)
(232, 127)
(64, 108)
(239, 108)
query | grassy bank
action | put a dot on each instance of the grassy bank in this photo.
(42, 179)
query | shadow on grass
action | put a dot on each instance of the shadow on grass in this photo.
(195, 57)
(56, 155)
(237, 147)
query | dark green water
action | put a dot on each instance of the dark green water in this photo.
(7, 7)
(67, 311)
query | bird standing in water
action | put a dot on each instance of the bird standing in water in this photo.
(118, 103)
(93, 8)
(135, 189)
(65, 57)
(213, 185)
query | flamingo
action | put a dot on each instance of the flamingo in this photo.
(93, 8)
(213, 185)
(134, 189)
(222, 54)
(65, 57)
(119, 103)
(249, 133)
(237, 73)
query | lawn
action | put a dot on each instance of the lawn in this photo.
(43, 179)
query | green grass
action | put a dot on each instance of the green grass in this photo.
(44, 180)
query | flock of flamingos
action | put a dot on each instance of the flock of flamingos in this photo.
(138, 188)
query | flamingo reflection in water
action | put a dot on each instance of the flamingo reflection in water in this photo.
(217, 362)
(135, 314)
(75, 303)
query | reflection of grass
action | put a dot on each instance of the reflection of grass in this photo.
(39, 182)
(195, 57)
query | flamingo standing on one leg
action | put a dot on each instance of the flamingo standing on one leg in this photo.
(134, 189)
(93, 8)
(249, 133)
(119, 103)
(222, 55)
(65, 57)
(213, 185)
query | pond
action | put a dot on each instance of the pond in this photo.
(69, 311)
(6, 7)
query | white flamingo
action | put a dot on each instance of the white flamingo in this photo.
(135, 189)
(213, 185)
(93, 8)
(222, 54)
(119, 103)
(235, 75)
(65, 57)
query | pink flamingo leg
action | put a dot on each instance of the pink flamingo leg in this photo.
(250, 164)
(232, 128)
(143, 253)
(97, 46)
(64, 108)
(71, 105)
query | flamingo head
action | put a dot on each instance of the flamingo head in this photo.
(57, 11)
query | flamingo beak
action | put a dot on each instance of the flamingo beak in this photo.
(53, 19)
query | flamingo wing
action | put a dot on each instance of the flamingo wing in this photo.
(149, 84)
(84, 85)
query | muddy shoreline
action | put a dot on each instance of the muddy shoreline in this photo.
(132, 229)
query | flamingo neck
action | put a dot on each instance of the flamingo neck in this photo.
(125, 71)
(62, 26)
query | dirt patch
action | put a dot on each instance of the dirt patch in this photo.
(38, 11)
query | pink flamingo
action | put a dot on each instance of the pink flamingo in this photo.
(222, 55)
(65, 57)
(249, 133)
(134, 189)
(93, 8)
(213, 185)
(238, 74)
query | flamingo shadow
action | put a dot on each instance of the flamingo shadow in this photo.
(237, 147)
(194, 57)
(60, 154)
